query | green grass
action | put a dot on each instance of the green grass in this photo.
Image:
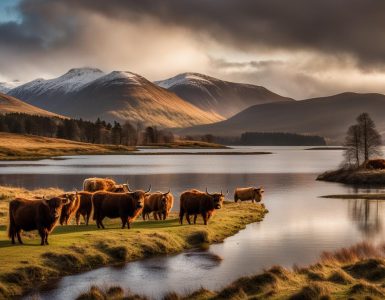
(75, 249)
(357, 272)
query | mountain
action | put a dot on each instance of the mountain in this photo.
(6, 86)
(329, 117)
(9, 104)
(90, 93)
(45, 93)
(218, 96)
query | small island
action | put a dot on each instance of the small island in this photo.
(362, 163)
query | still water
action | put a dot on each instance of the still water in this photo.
(298, 228)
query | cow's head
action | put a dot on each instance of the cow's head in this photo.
(259, 193)
(55, 206)
(139, 196)
(164, 201)
(217, 198)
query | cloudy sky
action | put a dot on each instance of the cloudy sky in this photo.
(298, 48)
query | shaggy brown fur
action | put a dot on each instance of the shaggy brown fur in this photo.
(126, 206)
(250, 193)
(28, 215)
(194, 202)
(159, 204)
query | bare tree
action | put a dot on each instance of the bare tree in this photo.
(371, 139)
(362, 141)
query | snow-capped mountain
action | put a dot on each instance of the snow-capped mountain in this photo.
(89, 93)
(9, 104)
(218, 96)
(35, 91)
(6, 86)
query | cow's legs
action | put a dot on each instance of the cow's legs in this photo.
(42, 236)
(46, 237)
(195, 218)
(155, 214)
(144, 216)
(128, 223)
(86, 218)
(18, 236)
(77, 218)
(124, 221)
(181, 214)
(204, 216)
(188, 218)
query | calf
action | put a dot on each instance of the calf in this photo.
(159, 204)
(69, 210)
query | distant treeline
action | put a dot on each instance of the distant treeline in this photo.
(265, 139)
(98, 132)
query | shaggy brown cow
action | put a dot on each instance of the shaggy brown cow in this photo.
(85, 207)
(103, 184)
(250, 193)
(194, 202)
(28, 215)
(375, 164)
(127, 206)
(159, 204)
(69, 209)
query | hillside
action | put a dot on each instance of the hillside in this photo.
(327, 116)
(89, 94)
(22, 146)
(10, 104)
(218, 96)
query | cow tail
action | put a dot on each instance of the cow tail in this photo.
(11, 227)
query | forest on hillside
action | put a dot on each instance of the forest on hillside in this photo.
(98, 132)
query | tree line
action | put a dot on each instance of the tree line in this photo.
(98, 132)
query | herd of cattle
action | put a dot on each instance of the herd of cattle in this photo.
(108, 199)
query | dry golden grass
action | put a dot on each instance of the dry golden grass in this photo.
(78, 248)
(354, 176)
(19, 146)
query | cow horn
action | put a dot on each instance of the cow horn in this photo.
(168, 192)
(44, 201)
(207, 192)
(128, 188)
(149, 190)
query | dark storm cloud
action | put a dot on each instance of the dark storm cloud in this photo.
(354, 27)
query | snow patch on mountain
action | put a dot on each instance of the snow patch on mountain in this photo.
(71, 81)
(183, 79)
(121, 78)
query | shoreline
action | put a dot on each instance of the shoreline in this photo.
(74, 249)
(357, 271)
(354, 176)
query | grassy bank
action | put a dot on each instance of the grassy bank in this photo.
(354, 176)
(26, 147)
(354, 273)
(75, 249)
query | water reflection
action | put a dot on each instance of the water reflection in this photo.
(367, 215)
